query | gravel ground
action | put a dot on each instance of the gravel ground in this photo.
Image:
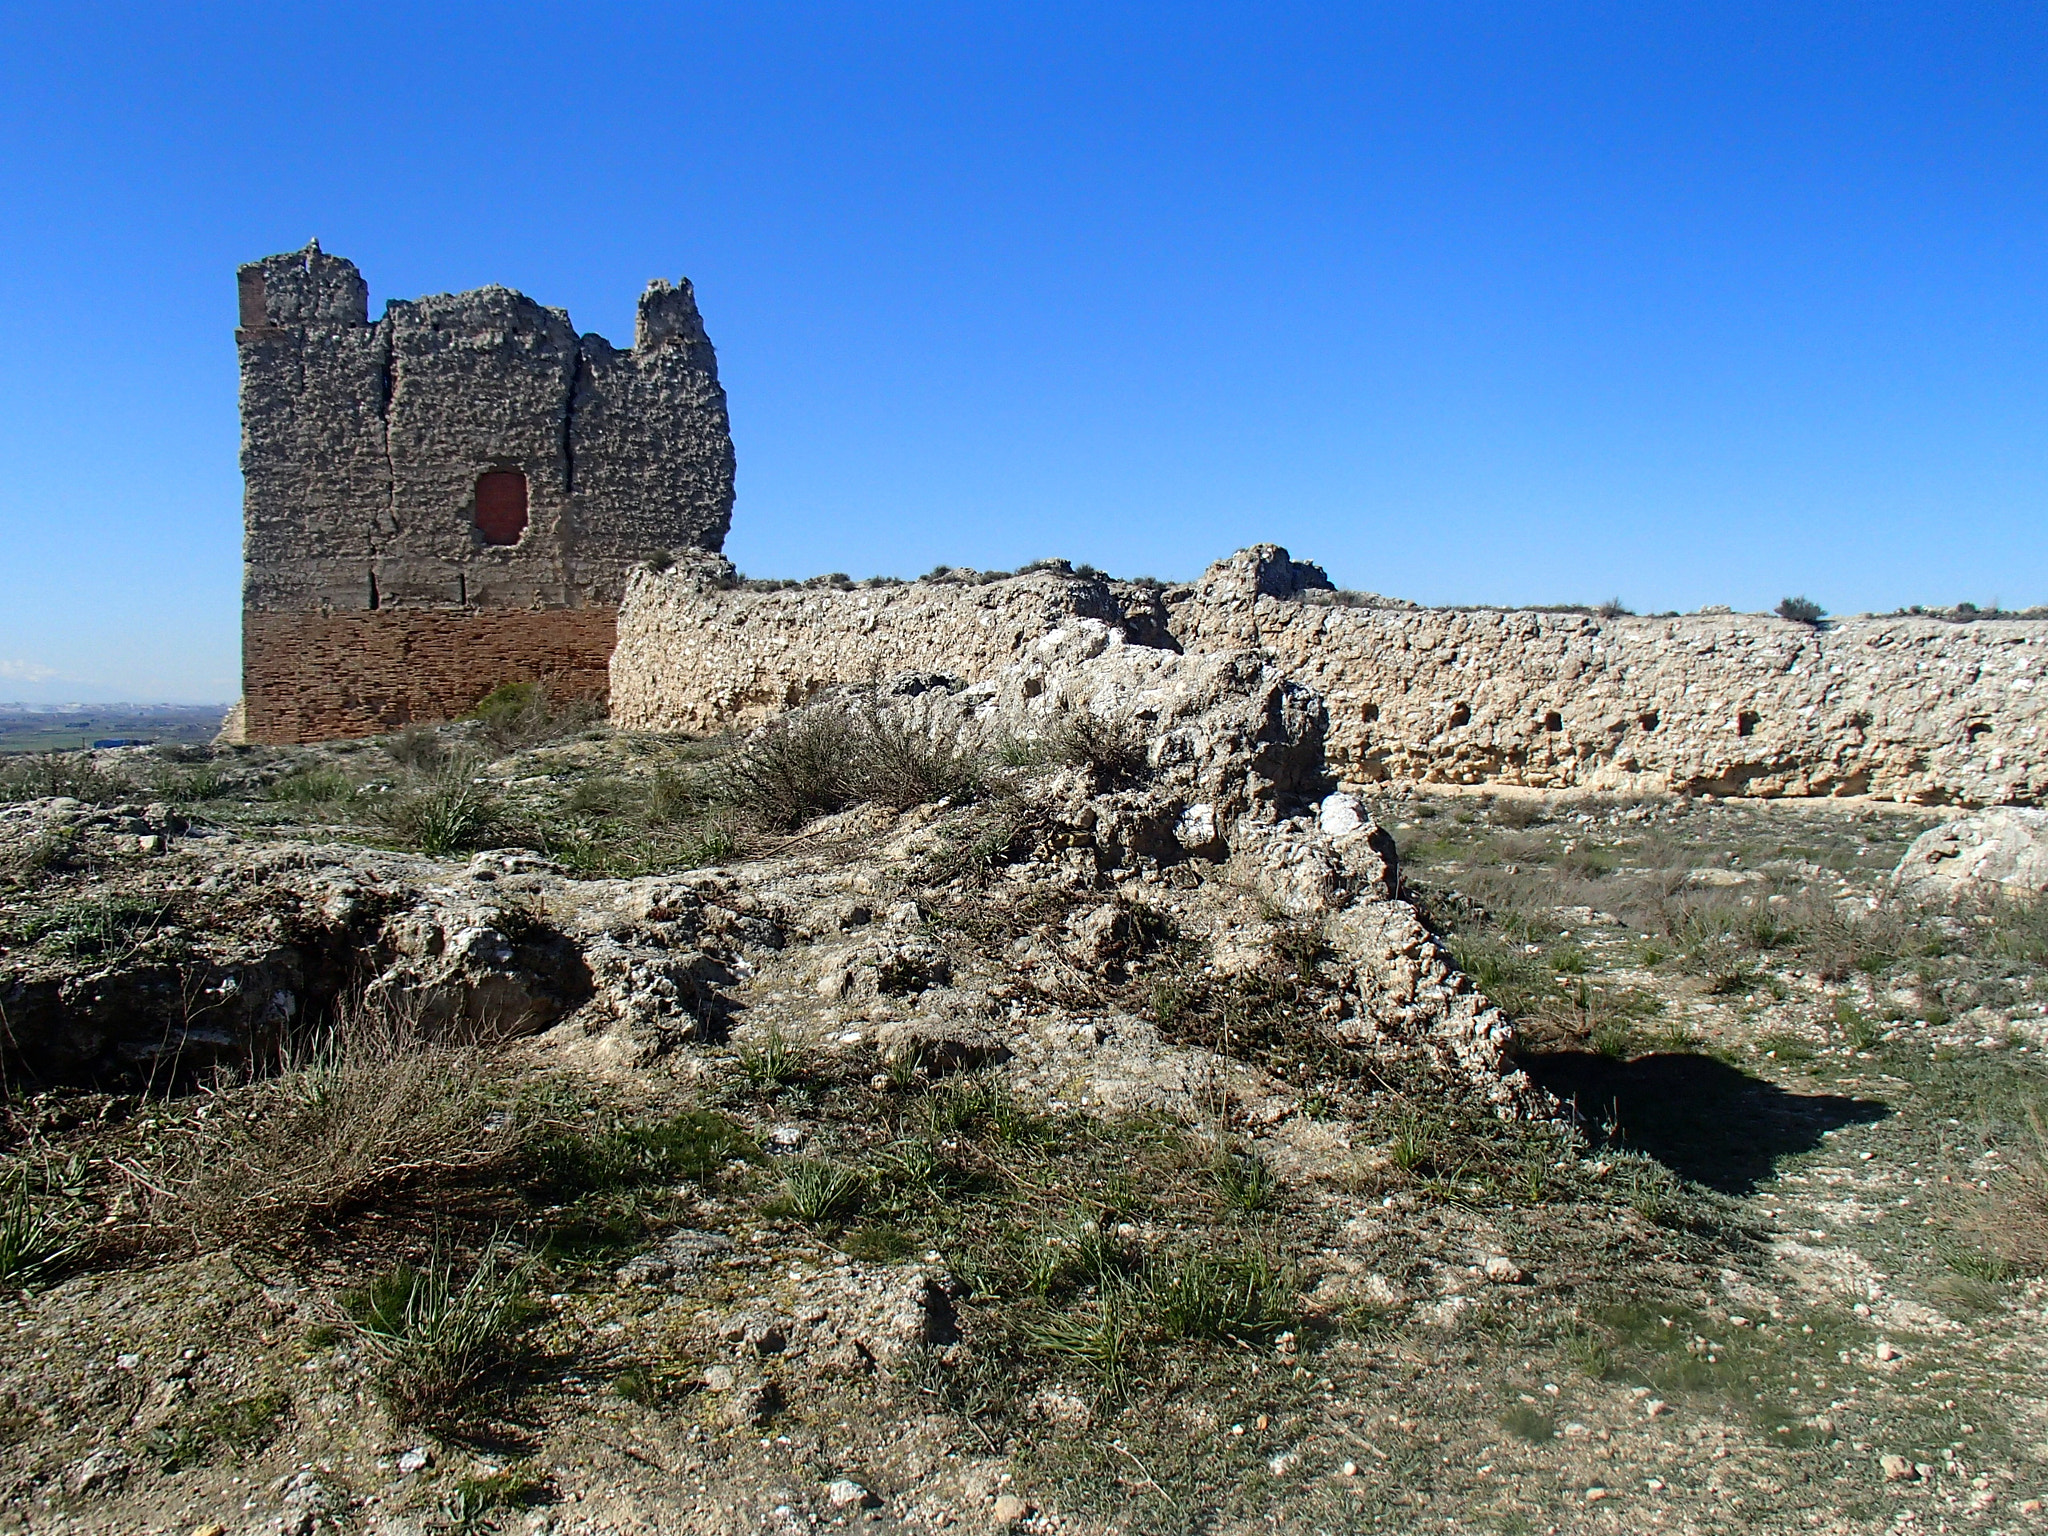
(1771, 1268)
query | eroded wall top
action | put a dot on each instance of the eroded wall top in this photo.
(1740, 704)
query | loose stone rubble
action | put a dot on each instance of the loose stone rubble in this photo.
(1229, 827)
(1236, 778)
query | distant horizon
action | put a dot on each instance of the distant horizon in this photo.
(1493, 306)
(72, 706)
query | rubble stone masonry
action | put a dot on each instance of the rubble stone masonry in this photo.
(462, 493)
(1905, 709)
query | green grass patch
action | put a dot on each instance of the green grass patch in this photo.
(1234, 1296)
(445, 813)
(105, 928)
(1791, 1049)
(315, 784)
(820, 1192)
(1244, 1180)
(773, 1060)
(446, 1340)
(241, 1425)
(879, 1243)
(474, 1498)
(627, 1154)
(1527, 1422)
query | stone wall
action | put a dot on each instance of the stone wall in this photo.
(365, 445)
(378, 671)
(697, 654)
(1903, 709)
(1727, 704)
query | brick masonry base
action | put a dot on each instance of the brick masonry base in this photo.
(324, 677)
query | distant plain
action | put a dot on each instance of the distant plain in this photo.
(52, 729)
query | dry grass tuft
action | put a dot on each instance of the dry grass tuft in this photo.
(1112, 748)
(831, 756)
(374, 1109)
(516, 715)
(2011, 1220)
(418, 747)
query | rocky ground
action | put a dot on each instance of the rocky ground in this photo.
(525, 1128)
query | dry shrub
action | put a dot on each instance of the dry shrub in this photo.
(830, 756)
(418, 747)
(60, 773)
(899, 766)
(793, 769)
(375, 1108)
(515, 715)
(1516, 811)
(1111, 747)
(2011, 1219)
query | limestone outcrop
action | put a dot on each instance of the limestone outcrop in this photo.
(1910, 709)
(223, 950)
(1164, 815)
(2000, 851)
(1227, 782)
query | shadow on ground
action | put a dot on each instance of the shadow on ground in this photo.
(1699, 1117)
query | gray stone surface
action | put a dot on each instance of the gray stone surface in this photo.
(363, 441)
(1235, 781)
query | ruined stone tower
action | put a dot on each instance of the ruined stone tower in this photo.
(449, 498)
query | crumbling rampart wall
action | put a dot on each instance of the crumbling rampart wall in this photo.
(698, 654)
(1737, 704)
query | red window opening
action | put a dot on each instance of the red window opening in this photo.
(501, 505)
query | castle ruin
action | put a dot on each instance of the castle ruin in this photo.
(467, 493)
(450, 498)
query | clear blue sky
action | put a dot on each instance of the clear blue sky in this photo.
(1538, 302)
